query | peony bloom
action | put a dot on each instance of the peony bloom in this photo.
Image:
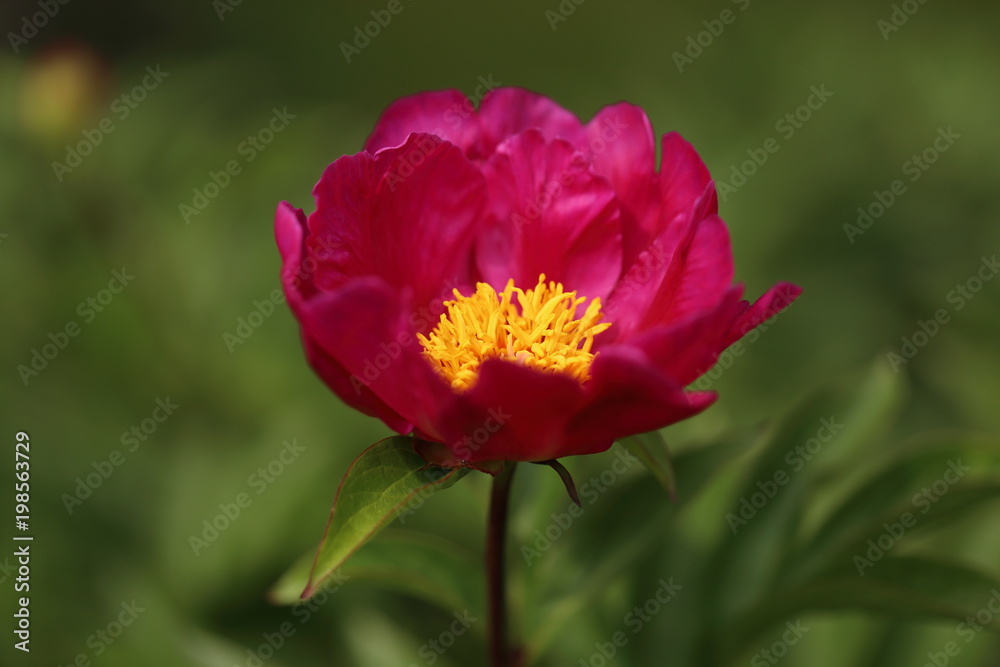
(512, 283)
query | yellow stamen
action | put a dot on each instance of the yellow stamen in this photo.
(538, 331)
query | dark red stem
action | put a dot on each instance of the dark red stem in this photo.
(496, 593)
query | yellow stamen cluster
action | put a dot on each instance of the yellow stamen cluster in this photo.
(539, 331)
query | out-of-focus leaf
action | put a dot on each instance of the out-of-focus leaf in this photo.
(426, 566)
(574, 602)
(651, 448)
(913, 587)
(380, 481)
(929, 483)
(821, 435)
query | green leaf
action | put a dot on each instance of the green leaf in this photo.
(651, 448)
(793, 465)
(899, 488)
(548, 620)
(380, 481)
(428, 567)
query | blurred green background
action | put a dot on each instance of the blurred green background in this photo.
(227, 66)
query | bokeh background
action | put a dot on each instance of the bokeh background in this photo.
(227, 66)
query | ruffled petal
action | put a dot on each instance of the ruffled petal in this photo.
(698, 276)
(409, 215)
(350, 388)
(550, 215)
(446, 113)
(688, 348)
(683, 179)
(289, 232)
(338, 242)
(364, 326)
(505, 112)
(296, 279)
(767, 306)
(687, 265)
(512, 413)
(627, 395)
(621, 148)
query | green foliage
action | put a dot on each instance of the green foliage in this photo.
(799, 530)
(376, 487)
(651, 448)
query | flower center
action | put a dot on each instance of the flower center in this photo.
(538, 331)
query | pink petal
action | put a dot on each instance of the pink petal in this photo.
(289, 225)
(338, 240)
(505, 112)
(620, 145)
(551, 215)
(686, 268)
(626, 395)
(683, 179)
(350, 389)
(446, 113)
(296, 279)
(687, 196)
(409, 215)
(512, 413)
(767, 306)
(688, 348)
(699, 274)
(289, 231)
(364, 326)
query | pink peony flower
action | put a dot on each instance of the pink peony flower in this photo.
(512, 283)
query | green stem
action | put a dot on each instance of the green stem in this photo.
(496, 594)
